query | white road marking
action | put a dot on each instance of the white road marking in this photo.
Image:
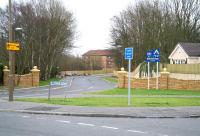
(63, 121)
(109, 127)
(41, 118)
(84, 124)
(25, 116)
(70, 84)
(91, 87)
(78, 90)
(136, 131)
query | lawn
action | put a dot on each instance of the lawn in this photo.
(110, 79)
(118, 102)
(118, 91)
(47, 82)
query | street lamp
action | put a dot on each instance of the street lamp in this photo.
(18, 29)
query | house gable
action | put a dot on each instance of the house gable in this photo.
(178, 53)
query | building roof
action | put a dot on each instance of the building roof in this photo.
(192, 49)
(98, 53)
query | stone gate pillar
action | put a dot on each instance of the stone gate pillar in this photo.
(35, 76)
(164, 79)
(6, 72)
(122, 78)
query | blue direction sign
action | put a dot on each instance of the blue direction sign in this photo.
(153, 56)
(58, 83)
(128, 53)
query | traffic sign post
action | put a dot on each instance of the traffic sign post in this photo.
(55, 83)
(157, 75)
(148, 73)
(129, 56)
(153, 56)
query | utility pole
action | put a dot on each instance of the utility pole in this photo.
(11, 82)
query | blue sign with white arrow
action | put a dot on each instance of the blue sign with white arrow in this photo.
(153, 56)
(128, 53)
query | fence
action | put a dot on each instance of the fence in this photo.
(85, 72)
(183, 68)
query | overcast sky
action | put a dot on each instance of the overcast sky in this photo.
(93, 18)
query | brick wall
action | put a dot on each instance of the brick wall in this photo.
(165, 82)
(27, 80)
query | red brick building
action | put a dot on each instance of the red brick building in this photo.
(99, 59)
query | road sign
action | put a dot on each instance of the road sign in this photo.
(58, 83)
(62, 83)
(153, 56)
(128, 53)
(13, 46)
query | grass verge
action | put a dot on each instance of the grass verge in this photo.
(118, 91)
(110, 79)
(47, 82)
(118, 102)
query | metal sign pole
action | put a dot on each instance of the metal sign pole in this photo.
(148, 73)
(129, 57)
(157, 78)
(129, 82)
(49, 91)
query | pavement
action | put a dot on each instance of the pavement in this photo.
(115, 112)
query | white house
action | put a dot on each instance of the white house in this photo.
(185, 53)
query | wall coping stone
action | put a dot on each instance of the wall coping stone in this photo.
(35, 69)
(6, 69)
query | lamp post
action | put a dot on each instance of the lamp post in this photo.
(18, 29)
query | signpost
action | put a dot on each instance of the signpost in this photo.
(153, 56)
(55, 83)
(129, 56)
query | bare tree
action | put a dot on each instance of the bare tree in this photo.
(48, 30)
(155, 24)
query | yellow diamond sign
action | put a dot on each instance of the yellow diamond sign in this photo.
(13, 46)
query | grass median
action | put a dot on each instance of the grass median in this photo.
(111, 79)
(118, 91)
(118, 102)
(118, 98)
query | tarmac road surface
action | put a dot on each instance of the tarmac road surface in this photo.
(20, 124)
(75, 86)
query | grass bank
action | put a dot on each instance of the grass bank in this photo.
(47, 82)
(118, 102)
(118, 91)
(110, 79)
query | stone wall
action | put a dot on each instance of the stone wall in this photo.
(27, 80)
(85, 72)
(165, 82)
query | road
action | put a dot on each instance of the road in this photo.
(75, 86)
(15, 124)
(21, 124)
